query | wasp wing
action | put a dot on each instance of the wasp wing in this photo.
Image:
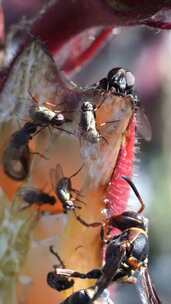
(146, 289)
(109, 270)
(143, 124)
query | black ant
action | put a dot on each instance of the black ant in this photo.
(44, 117)
(17, 156)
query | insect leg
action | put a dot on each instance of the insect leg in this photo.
(66, 131)
(126, 178)
(77, 173)
(93, 274)
(83, 222)
(108, 122)
(61, 263)
(40, 154)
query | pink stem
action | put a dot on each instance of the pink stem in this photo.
(73, 63)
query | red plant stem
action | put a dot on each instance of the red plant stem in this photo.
(118, 190)
(66, 18)
(1, 25)
(158, 24)
(73, 63)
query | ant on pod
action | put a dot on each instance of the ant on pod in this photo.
(44, 116)
(17, 155)
(121, 82)
(126, 256)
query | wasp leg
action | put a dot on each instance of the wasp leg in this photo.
(94, 225)
(66, 131)
(61, 263)
(102, 235)
(93, 274)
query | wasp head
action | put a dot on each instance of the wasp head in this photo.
(59, 282)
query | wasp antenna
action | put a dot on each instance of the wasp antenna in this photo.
(77, 171)
(51, 249)
(127, 179)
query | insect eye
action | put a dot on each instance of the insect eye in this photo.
(130, 79)
(60, 117)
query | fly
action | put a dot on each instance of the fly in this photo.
(121, 82)
(64, 190)
(88, 125)
(34, 196)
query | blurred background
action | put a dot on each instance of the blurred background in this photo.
(147, 54)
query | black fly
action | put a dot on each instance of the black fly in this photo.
(63, 188)
(88, 125)
(17, 155)
(121, 82)
(34, 196)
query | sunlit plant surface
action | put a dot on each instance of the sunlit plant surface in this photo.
(28, 67)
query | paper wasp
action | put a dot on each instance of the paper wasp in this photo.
(126, 255)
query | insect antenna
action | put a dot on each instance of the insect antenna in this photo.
(126, 178)
(77, 171)
(83, 222)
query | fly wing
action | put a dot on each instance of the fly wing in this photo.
(55, 175)
(22, 191)
(146, 289)
(109, 270)
(143, 124)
